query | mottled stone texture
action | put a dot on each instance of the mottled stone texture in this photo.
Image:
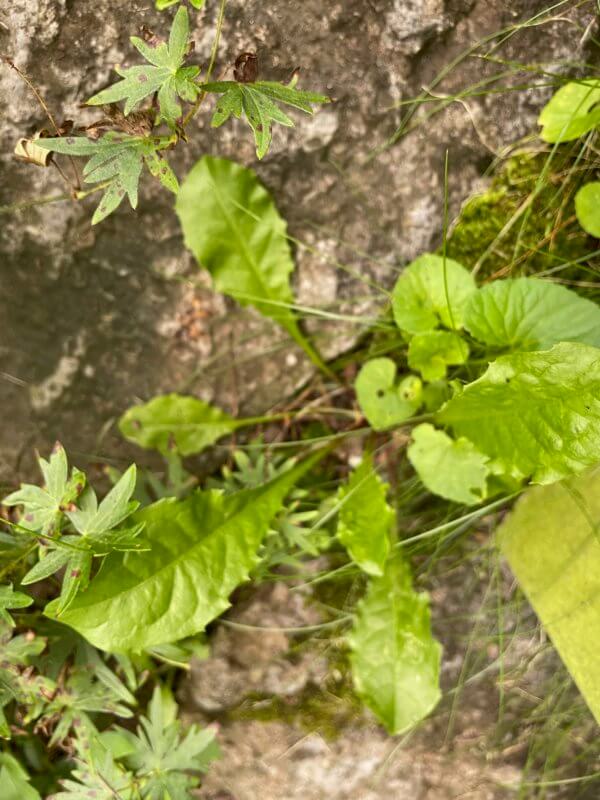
(91, 319)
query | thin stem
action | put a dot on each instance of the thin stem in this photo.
(211, 64)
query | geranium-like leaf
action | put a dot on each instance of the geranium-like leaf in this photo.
(258, 102)
(432, 352)
(395, 659)
(365, 518)
(174, 421)
(455, 470)
(383, 401)
(431, 291)
(11, 599)
(572, 112)
(531, 314)
(200, 549)
(535, 415)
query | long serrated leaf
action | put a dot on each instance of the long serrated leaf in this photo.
(201, 549)
(365, 518)
(178, 38)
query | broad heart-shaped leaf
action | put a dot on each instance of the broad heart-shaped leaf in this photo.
(551, 543)
(572, 111)
(431, 291)
(430, 353)
(365, 518)
(232, 226)
(531, 314)
(395, 659)
(455, 470)
(587, 207)
(258, 102)
(173, 420)
(384, 402)
(535, 415)
(201, 548)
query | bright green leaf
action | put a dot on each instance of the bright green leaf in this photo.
(173, 420)
(552, 545)
(535, 415)
(531, 314)
(14, 781)
(365, 518)
(234, 229)
(201, 548)
(572, 112)
(395, 660)
(430, 353)
(431, 291)
(455, 470)
(587, 207)
(384, 402)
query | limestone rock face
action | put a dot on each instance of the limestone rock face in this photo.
(93, 318)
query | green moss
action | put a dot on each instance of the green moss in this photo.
(521, 224)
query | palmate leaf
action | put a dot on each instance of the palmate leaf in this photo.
(455, 470)
(551, 543)
(382, 400)
(163, 74)
(11, 599)
(43, 508)
(117, 159)
(531, 314)
(14, 781)
(395, 659)
(365, 518)
(534, 415)
(258, 102)
(200, 549)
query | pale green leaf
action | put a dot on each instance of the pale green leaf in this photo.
(384, 402)
(535, 415)
(531, 314)
(201, 548)
(572, 112)
(174, 421)
(234, 229)
(160, 168)
(552, 545)
(395, 660)
(455, 470)
(178, 37)
(431, 291)
(587, 207)
(365, 518)
(432, 352)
